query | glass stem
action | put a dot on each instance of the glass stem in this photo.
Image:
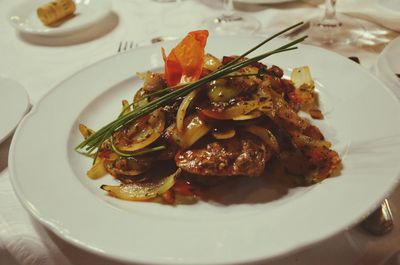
(330, 19)
(228, 8)
(330, 9)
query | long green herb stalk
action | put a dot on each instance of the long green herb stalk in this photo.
(168, 96)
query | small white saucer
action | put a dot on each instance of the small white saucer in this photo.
(390, 4)
(388, 65)
(14, 103)
(23, 17)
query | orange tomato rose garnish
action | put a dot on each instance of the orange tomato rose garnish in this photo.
(185, 61)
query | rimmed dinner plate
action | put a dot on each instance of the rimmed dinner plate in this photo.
(14, 103)
(23, 17)
(361, 120)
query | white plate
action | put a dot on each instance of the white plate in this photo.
(388, 65)
(50, 177)
(264, 1)
(14, 103)
(393, 5)
(23, 17)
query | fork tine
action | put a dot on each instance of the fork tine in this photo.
(120, 47)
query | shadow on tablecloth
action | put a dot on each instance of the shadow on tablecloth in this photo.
(4, 150)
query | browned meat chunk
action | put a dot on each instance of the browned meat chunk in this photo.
(245, 156)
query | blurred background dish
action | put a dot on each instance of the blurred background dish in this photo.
(88, 12)
(387, 66)
(14, 103)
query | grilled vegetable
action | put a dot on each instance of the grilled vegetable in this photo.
(224, 134)
(211, 62)
(142, 191)
(301, 76)
(195, 129)
(220, 91)
(265, 135)
(180, 116)
(228, 113)
(141, 133)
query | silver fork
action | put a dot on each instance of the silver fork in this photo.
(125, 46)
(380, 222)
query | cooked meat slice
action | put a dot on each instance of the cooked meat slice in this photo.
(246, 84)
(244, 155)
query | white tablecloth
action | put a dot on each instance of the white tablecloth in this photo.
(40, 63)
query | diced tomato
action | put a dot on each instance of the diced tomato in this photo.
(184, 188)
(105, 153)
(169, 197)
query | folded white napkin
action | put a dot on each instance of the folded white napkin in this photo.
(382, 12)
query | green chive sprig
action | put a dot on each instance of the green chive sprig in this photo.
(95, 141)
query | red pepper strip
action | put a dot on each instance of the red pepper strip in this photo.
(184, 188)
(185, 61)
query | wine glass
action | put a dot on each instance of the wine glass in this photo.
(332, 29)
(231, 23)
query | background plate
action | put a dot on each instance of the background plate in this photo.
(14, 103)
(388, 65)
(23, 17)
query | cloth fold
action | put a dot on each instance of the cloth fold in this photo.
(382, 12)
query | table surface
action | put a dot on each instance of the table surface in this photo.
(40, 63)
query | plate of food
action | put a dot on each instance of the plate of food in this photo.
(58, 17)
(14, 103)
(159, 156)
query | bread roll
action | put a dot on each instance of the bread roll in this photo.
(55, 11)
